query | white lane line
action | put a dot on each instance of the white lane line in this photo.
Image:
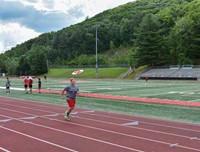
(172, 134)
(73, 134)
(148, 139)
(5, 150)
(193, 138)
(156, 131)
(5, 120)
(60, 107)
(155, 124)
(149, 130)
(38, 139)
(132, 136)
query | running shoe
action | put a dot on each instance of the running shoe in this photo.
(67, 118)
(67, 115)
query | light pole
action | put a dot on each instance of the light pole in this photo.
(96, 29)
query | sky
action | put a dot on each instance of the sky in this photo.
(21, 20)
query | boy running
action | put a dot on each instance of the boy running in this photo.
(71, 92)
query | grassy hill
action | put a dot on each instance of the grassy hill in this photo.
(156, 32)
(88, 73)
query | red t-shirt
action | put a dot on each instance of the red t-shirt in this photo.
(26, 81)
(30, 82)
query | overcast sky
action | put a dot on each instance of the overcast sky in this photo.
(21, 20)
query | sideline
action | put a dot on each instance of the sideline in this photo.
(127, 98)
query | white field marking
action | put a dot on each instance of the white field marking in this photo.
(74, 113)
(161, 142)
(12, 88)
(5, 150)
(174, 145)
(28, 118)
(25, 118)
(193, 100)
(193, 138)
(155, 124)
(52, 115)
(89, 111)
(134, 123)
(108, 88)
(85, 91)
(38, 139)
(173, 92)
(66, 132)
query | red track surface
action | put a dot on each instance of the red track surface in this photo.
(27, 126)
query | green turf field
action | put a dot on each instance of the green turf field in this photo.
(174, 90)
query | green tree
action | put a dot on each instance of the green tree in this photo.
(149, 41)
(37, 61)
(11, 65)
(23, 67)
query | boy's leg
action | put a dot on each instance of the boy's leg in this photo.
(71, 104)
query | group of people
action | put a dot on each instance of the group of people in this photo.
(28, 83)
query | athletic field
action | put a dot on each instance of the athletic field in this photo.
(186, 92)
(110, 115)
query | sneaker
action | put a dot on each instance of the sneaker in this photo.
(67, 115)
(67, 118)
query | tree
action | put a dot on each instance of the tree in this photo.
(38, 61)
(149, 41)
(23, 68)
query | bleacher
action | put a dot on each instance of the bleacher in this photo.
(184, 72)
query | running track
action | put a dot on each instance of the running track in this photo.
(28, 126)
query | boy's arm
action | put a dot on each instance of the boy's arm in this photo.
(62, 94)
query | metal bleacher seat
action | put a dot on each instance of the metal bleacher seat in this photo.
(173, 72)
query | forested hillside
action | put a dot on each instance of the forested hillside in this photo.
(159, 32)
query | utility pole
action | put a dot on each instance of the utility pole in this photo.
(96, 29)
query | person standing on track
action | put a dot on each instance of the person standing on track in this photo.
(71, 92)
(8, 84)
(26, 82)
